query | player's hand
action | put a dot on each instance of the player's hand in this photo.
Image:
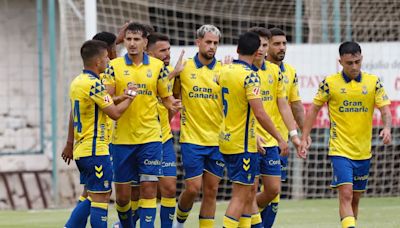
(175, 106)
(67, 154)
(227, 60)
(131, 91)
(309, 141)
(386, 136)
(284, 147)
(121, 33)
(303, 149)
(296, 141)
(260, 142)
(179, 66)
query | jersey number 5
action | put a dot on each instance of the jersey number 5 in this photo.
(224, 101)
(77, 117)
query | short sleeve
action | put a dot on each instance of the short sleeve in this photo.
(109, 76)
(322, 94)
(280, 90)
(164, 86)
(293, 93)
(99, 95)
(252, 86)
(381, 98)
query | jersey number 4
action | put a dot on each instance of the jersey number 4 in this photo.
(77, 117)
(224, 101)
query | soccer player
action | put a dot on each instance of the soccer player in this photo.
(158, 46)
(273, 96)
(351, 96)
(91, 103)
(201, 118)
(242, 108)
(67, 153)
(276, 54)
(136, 144)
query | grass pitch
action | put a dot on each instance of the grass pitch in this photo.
(374, 213)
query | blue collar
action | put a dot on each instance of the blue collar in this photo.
(91, 73)
(347, 79)
(282, 66)
(238, 61)
(200, 65)
(145, 61)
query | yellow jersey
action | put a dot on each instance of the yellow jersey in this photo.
(164, 115)
(88, 97)
(239, 84)
(140, 123)
(201, 115)
(291, 86)
(351, 106)
(110, 122)
(271, 89)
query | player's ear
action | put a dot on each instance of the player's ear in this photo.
(198, 42)
(145, 42)
(340, 61)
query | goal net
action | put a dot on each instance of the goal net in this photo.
(314, 23)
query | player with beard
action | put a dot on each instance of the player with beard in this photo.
(201, 118)
(276, 54)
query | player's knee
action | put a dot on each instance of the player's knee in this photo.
(346, 195)
(193, 189)
(169, 191)
(210, 191)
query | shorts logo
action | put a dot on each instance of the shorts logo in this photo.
(361, 178)
(275, 208)
(171, 216)
(148, 218)
(152, 162)
(99, 171)
(220, 164)
(106, 184)
(246, 164)
(274, 162)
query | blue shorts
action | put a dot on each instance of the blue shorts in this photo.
(284, 166)
(270, 163)
(242, 168)
(96, 173)
(197, 158)
(130, 162)
(347, 171)
(82, 178)
(168, 163)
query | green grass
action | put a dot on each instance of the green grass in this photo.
(374, 213)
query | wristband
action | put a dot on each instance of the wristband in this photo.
(131, 93)
(292, 133)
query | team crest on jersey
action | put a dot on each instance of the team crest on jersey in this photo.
(270, 79)
(364, 90)
(149, 73)
(343, 90)
(126, 72)
(192, 76)
(285, 79)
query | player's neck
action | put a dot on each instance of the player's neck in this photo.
(274, 61)
(258, 63)
(247, 58)
(93, 69)
(203, 60)
(137, 59)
